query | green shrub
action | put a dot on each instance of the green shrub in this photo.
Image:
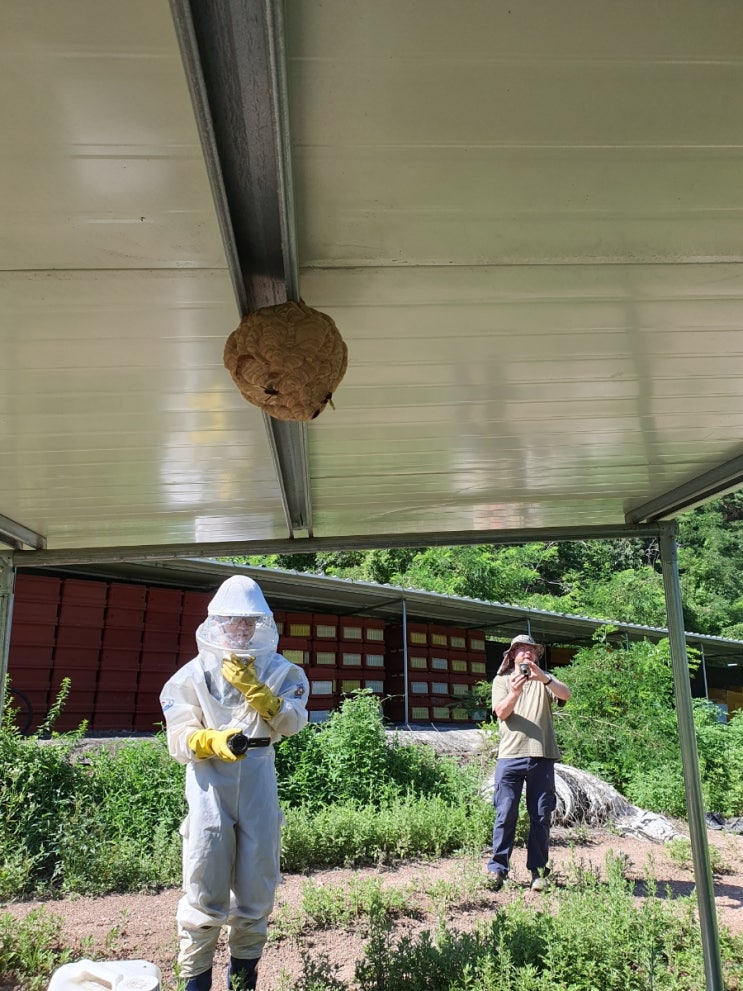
(39, 789)
(107, 819)
(139, 788)
(621, 725)
(350, 759)
(620, 720)
(93, 861)
(93, 823)
(720, 748)
(326, 906)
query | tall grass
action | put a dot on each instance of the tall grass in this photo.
(347, 834)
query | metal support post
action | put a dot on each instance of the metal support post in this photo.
(6, 616)
(704, 671)
(405, 710)
(690, 761)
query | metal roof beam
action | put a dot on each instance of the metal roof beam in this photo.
(16, 535)
(233, 54)
(310, 545)
(718, 481)
(288, 441)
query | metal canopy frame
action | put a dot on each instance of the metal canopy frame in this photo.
(17, 536)
(295, 591)
(690, 760)
(52, 558)
(719, 481)
(233, 54)
(234, 57)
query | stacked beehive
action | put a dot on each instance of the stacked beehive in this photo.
(116, 643)
(193, 613)
(361, 654)
(119, 643)
(119, 672)
(443, 665)
(340, 654)
(162, 639)
(32, 639)
(77, 649)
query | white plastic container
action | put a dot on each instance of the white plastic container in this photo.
(109, 975)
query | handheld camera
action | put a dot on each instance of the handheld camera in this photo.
(239, 743)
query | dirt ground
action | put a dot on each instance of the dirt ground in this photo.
(142, 926)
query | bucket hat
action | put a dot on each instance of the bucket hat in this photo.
(523, 639)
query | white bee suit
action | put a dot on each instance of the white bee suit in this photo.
(232, 833)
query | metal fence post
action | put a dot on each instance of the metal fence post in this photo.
(6, 617)
(690, 761)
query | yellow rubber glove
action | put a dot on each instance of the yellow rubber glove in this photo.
(243, 677)
(213, 743)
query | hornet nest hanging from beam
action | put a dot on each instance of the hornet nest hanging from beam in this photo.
(288, 359)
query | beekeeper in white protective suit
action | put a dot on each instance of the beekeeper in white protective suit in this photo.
(238, 683)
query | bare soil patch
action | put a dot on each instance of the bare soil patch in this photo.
(143, 926)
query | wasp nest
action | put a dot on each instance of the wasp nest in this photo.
(288, 359)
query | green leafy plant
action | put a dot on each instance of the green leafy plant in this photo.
(327, 906)
(679, 850)
(94, 822)
(348, 834)
(350, 759)
(30, 948)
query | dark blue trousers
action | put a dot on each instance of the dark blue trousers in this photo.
(511, 773)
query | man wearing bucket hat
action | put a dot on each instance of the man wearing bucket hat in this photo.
(523, 695)
(224, 710)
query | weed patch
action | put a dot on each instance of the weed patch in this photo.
(30, 949)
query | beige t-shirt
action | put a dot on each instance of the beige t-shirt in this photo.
(528, 731)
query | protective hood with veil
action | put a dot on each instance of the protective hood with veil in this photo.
(199, 695)
(231, 836)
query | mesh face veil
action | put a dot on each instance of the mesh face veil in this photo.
(236, 631)
(237, 634)
(239, 618)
